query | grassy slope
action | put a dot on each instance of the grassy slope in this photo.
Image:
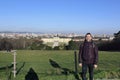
(39, 61)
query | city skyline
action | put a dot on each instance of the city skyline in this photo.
(72, 16)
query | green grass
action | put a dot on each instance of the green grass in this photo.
(108, 67)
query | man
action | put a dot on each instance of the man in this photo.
(88, 56)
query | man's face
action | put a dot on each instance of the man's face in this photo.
(88, 38)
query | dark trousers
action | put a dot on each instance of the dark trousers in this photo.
(84, 71)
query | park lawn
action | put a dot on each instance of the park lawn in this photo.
(41, 63)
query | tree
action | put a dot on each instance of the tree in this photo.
(5, 44)
(38, 45)
(72, 45)
(48, 48)
(56, 48)
(117, 36)
(111, 45)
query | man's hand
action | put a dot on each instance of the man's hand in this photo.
(80, 64)
(95, 66)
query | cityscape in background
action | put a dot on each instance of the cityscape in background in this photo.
(54, 39)
(28, 35)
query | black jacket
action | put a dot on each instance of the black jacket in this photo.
(88, 53)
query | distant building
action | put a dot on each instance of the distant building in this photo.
(111, 38)
(56, 40)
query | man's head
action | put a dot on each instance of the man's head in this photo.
(88, 37)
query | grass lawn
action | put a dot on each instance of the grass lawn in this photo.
(56, 65)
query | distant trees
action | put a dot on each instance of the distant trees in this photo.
(37, 44)
(117, 36)
(33, 44)
(48, 47)
(113, 45)
(5, 44)
(116, 41)
(72, 45)
(56, 48)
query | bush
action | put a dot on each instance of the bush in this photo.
(113, 45)
(56, 48)
(48, 48)
(72, 45)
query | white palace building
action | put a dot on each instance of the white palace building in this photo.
(56, 40)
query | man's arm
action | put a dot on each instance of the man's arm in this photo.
(96, 57)
(79, 56)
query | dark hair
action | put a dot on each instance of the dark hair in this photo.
(88, 34)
